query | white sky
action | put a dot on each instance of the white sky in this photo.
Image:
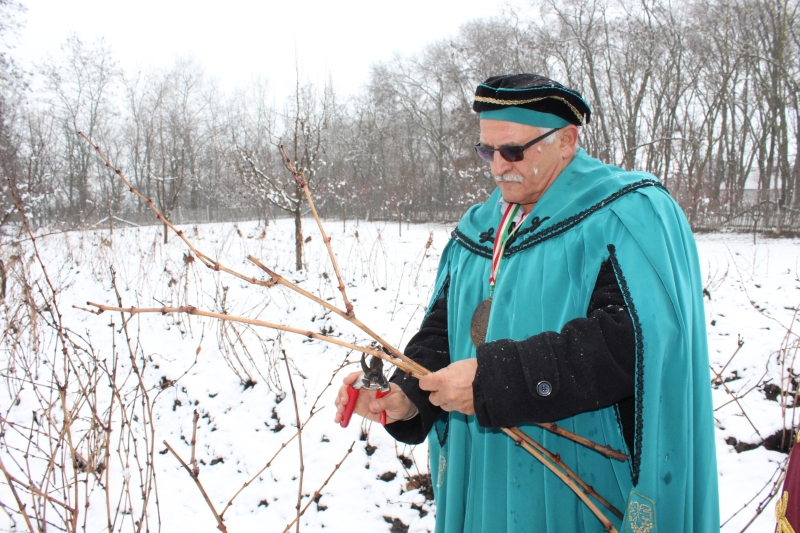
(238, 40)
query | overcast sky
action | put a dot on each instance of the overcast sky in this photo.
(238, 40)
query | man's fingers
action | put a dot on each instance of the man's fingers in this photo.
(346, 382)
(351, 378)
(342, 397)
(430, 382)
(390, 402)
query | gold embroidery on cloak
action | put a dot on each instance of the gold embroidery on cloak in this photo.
(640, 517)
(780, 514)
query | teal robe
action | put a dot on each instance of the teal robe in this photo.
(483, 482)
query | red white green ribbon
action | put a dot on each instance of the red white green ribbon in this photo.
(503, 236)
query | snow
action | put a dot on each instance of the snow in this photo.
(189, 365)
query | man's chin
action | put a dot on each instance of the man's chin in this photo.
(510, 191)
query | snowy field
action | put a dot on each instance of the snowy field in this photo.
(236, 378)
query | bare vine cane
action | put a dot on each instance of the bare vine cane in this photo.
(587, 489)
(530, 445)
(349, 313)
(276, 279)
(394, 356)
(299, 440)
(205, 259)
(191, 310)
(567, 480)
(318, 492)
(549, 460)
(196, 478)
(300, 180)
(409, 366)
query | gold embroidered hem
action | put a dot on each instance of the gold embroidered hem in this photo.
(780, 515)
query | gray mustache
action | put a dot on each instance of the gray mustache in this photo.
(508, 178)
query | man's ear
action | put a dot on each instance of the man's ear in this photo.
(568, 140)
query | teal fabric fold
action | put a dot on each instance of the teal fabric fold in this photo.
(483, 482)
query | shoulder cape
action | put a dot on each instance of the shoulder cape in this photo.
(592, 212)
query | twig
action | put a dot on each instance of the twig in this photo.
(602, 449)
(587, 489)
(22, 506)
(736, 399)
(276, 279)
(563, 477)
(345, 362)
(62, 390)
(193, 462)
(299, 439)
(31, 487)
(269, 463)
(188, 309)
(319, 490)
(205, 259)
(718, 375)
(395, 356)
(770, 495)
(301, 182)
(196, 479)
(408, 365)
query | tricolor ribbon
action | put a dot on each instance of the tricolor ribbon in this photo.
(504, 234)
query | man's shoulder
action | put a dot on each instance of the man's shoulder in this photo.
(643, 193)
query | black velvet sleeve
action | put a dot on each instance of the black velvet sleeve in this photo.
(430, 348)
(588, 365)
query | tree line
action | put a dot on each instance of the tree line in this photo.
(701, 93)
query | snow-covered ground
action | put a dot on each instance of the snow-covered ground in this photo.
(236, 380)
(753, 298)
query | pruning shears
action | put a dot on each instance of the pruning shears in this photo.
(372, 378)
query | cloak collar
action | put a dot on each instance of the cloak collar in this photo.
(585, 186)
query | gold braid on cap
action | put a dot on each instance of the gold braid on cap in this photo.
(497, 101)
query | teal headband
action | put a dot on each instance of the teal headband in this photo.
(521, 115)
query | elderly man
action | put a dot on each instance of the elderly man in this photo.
(572, 295)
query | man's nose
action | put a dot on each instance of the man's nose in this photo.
(499, 165)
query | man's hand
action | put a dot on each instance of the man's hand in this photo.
(396, 403)
(451, 387)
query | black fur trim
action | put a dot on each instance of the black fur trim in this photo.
(471, 245)
(636, 459)
(574, 220)
(442, 438)
(535, 223)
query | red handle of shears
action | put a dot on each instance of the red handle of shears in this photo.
(352, 398)
(381, 394)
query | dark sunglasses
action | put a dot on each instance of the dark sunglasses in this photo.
(512, 154)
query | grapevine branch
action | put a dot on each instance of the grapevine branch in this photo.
(276, 279)
(299, 440)
(196, 478)
(394, 356)
(319, 490)
(191, 310)
(301, 182)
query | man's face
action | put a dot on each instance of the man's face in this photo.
(523, 182)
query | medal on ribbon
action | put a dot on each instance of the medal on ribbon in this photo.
(480, 318)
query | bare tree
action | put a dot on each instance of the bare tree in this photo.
(80, 83)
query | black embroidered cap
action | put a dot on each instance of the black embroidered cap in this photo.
(500, 98)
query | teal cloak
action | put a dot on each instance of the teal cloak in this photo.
(483, 482)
